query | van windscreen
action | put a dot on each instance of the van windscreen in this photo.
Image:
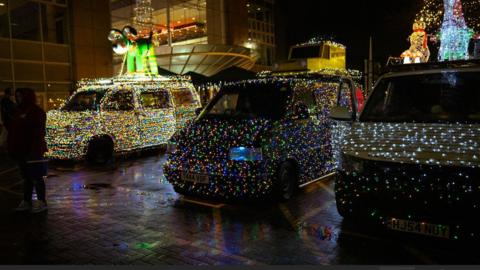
(84, 101)
(427, 98)
(267, 101)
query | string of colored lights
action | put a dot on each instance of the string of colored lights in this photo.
(455, 35)
(322, 40)
(421, 166)
(432, 14)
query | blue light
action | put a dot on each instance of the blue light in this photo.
(245, 154)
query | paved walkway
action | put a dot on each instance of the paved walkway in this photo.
(128, 214)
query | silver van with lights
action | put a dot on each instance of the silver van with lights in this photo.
(104, 117)
(410, 162)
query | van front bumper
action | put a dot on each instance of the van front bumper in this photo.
(383, 191)
(65, 151)
(232, 184)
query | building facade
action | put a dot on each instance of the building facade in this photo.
(204, 36)
(48, 45)
(261, 31)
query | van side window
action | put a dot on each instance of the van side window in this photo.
(325, 97)
(84, 101)
(305, 96)
(184, 97)
(345, 96)
(155, 100)
(119, 101)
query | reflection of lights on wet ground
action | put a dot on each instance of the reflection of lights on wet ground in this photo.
(217, 223)
(145, 246)
(77, 187)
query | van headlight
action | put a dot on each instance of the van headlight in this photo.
(171, 148)
(245, 154)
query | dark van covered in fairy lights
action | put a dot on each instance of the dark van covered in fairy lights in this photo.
(259, 138)
(411, 162)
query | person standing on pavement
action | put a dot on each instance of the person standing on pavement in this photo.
(27, 146)
(7, 110)
(7, 107)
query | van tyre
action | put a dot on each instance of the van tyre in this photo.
(286, 184)
(343, 211)
(100, 151)
(342, 208)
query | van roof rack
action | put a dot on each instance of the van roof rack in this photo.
(131, 79)
(395, 66)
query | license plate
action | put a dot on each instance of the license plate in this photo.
(195, 178)
(416, 227)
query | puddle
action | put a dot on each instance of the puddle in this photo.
(97, 186)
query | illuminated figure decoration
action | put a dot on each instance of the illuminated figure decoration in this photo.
(418, 51)
(319, 53)
(455, 36)
(137, 48)
(137, 45)
(120, 115)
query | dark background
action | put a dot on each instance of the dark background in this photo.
(351, 23)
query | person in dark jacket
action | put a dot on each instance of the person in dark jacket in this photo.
(7, 107)
(27, 146)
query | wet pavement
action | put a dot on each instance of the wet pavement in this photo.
(129, 214)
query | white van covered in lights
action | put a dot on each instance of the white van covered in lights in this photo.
(105, 117)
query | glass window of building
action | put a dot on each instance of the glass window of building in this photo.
(25, 20)
(4, 27)
(54, 25)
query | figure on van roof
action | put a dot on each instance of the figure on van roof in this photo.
(137, 48)
(418, 51)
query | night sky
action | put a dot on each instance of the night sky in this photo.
(389, 22)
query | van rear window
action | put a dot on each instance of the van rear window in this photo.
(426, 98)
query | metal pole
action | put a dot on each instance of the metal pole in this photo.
(42, 38)
(168, 24)
(370, 66)
(365, 68)
(12, 56)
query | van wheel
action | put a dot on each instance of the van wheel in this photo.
(342, 210)
(286, 182)
(342, 200)
(100, 151)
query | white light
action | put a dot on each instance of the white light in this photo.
(119, 49)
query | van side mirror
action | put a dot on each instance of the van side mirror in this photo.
(341, 114)
(301, 112)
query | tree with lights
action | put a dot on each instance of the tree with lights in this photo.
(455, 35)
(452, 30)
(432, 13)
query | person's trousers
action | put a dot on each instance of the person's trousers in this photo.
(31, 182)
